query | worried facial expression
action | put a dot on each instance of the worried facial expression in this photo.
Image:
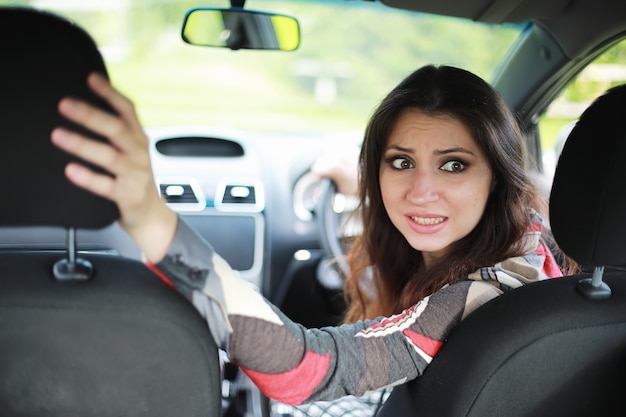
(435, 181)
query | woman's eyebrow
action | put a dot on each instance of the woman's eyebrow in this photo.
(399, 148)
(456, 149)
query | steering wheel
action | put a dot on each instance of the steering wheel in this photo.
(331, 226)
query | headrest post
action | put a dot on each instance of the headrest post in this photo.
(71, 245)
(594, 288)
(72, 268)
(596, 278)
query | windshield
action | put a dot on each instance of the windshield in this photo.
(350, 56)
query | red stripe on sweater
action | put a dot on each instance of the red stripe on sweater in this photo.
(295, 385)
(426, 344)
(160, 274)
(550, 266)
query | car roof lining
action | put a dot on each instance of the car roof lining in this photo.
(489, 11)
(557, 17)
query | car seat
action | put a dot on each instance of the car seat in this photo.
(556, 347)
(81, 333)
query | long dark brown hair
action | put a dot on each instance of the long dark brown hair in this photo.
(395, 271)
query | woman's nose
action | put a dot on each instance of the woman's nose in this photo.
(424, 188)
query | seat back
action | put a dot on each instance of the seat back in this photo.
(556, 347)
(120, 344)
(117, 341)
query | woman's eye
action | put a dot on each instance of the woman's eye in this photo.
(453, 166)
(401, 163)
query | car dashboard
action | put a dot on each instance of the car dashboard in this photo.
(216, 185)
(250, 195)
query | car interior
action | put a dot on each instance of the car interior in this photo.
(88, 330)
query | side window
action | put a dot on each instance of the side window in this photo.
(607, 71)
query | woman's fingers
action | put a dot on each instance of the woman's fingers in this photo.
(143, 213)
(120, 103)
(126, 157)
(127, 151)
(92, 118)
(127, 182)
(97, 153)
(340, 165)
(122, 129)
(85, 178)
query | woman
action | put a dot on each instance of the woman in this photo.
(451, 220)
(451, 102)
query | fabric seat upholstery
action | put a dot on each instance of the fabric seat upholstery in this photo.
(120, 342)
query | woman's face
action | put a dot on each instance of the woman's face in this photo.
(434, 180)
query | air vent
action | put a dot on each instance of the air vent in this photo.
(182, 195)
(195, 146)
(241, 195)
(178, 193)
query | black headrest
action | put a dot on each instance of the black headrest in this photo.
(44, 58)
(588, 198)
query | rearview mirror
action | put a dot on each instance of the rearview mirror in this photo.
(240, 29)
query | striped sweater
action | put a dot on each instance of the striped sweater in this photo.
(293, 364)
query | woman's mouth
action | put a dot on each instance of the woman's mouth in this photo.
(427, 221)
(427, 225)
